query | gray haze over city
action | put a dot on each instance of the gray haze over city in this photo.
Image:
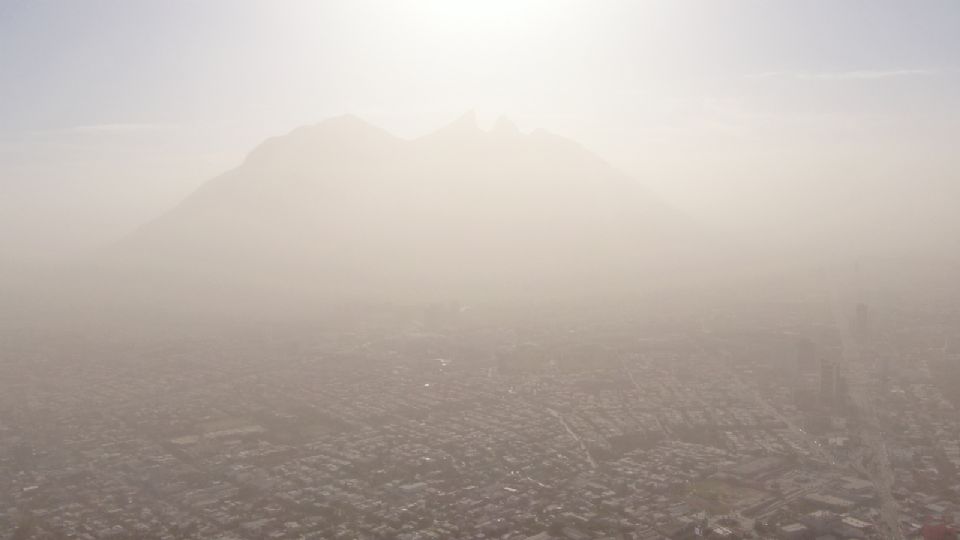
(435, 270)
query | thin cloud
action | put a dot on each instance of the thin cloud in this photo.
(854, 75)
(118, 128)
(93, 131)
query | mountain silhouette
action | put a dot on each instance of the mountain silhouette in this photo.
(346, 208)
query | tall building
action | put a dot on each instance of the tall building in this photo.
(863, 322)
(806, 356)
(828, 379)
(840, 383)
(833, 380)
(804, 374)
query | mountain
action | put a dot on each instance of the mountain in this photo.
(345, 208)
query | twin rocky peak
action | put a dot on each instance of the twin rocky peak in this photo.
(346, 206)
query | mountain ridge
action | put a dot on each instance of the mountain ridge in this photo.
(344, 205)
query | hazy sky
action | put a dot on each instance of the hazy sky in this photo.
(744, 113)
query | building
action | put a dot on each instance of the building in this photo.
(828, 380)
(806, 356)
(863, 322)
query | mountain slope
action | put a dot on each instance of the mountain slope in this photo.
(345, 208)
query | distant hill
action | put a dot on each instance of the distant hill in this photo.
(344, 208)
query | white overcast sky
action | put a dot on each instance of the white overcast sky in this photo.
(747, 114)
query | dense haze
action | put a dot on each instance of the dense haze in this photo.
(826, 127)
(348, 210)
(513, 270)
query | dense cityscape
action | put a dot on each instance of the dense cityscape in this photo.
(816, 418)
